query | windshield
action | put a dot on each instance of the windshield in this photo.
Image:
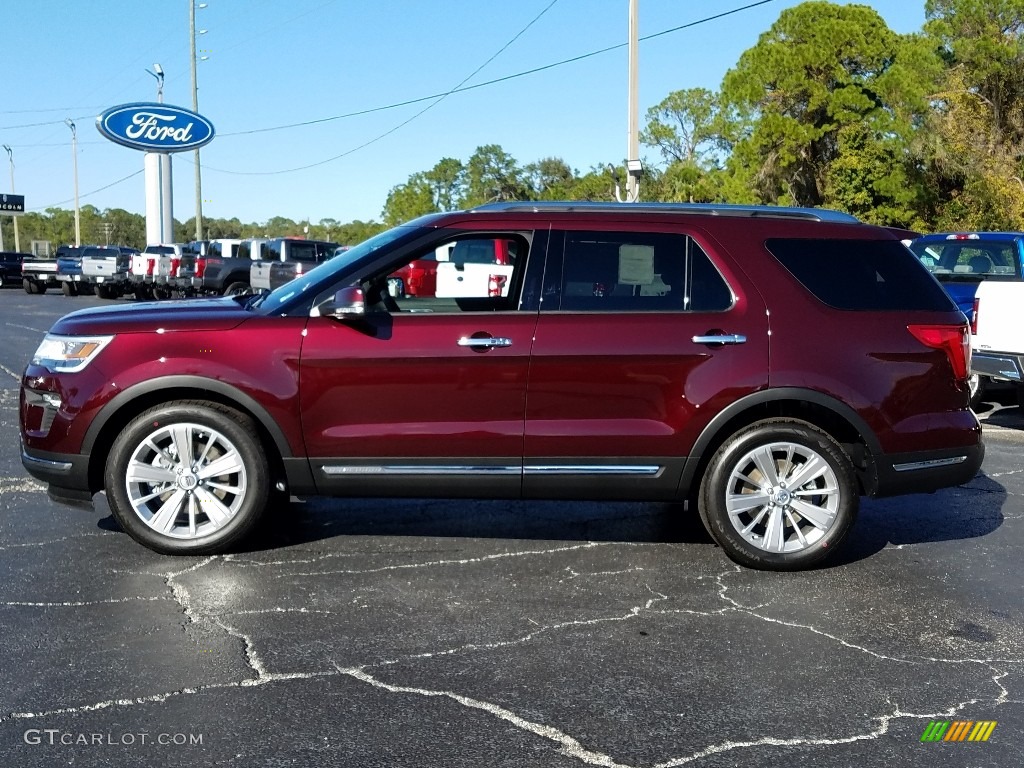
(275, 300)
(968, 259)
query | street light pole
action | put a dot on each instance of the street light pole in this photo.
(10, 157)
(633, 167)
(74, 157)
(195, 108)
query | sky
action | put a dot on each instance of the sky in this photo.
(272, 63)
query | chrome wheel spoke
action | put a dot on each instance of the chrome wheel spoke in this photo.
(765, 463)
(773, 531)
(164, 518)
(816, 516)
(234, 490)
(755, 522)
(213, 507)
(799, 533)
(228, 464)
(741, 502)
(182, 436)
(140, 472)
(812, 469)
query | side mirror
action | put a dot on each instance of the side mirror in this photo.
(349, 302)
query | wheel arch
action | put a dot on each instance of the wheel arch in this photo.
(124, 407)
(836, 418)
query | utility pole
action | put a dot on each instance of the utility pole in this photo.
(17, 243)
(74, 157)
(633, 166)
(195, 108)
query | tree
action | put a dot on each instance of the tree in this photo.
(493, 175)
(447, 182)
(686, 125)
(409, 200)
(549, 179)
(819, 68)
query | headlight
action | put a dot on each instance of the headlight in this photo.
(68, 354)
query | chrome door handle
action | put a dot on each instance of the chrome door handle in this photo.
(724, 338)
(484, 343)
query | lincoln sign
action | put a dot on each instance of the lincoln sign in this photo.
(155, 127)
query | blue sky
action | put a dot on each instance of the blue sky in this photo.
(276, 62)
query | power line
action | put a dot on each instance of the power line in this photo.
(463, 89)
(93, 192)
(437, 100)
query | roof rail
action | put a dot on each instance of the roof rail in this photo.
(706, 209)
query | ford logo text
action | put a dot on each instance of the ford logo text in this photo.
(155, 127)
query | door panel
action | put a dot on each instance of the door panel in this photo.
(617, 396)
(392, 404)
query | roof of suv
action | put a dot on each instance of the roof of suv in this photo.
(706, 209)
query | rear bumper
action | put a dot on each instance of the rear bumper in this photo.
(998, 365)
(926, 471)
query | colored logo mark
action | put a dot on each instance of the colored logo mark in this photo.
(958, 730)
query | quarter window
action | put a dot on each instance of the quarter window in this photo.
(639, 272)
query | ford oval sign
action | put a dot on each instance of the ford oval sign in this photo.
(155, 127)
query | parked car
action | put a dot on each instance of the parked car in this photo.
(961, 261)
(419, 277)
(154, 270)
(284, 258)
(227, 274)
(189, 278)
(69, 271)
(476, 268)
(704, 354)
(107, 268)
(998, 335)
(38, 274)
(10, 267)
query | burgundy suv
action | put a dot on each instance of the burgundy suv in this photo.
(770, 364)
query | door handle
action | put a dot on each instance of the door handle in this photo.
(486, 342)
(720, 338)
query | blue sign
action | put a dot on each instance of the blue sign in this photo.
(155, 127)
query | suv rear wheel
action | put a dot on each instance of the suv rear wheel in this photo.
(188, 477)
(779, 495)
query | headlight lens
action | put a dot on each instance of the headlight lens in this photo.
(68, 354)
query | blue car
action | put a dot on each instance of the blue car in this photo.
(960, 261)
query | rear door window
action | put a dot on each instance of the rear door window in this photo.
(639, 272)
(969, 258)
(861, 274)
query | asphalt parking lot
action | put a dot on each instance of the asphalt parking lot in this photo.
(360, 632)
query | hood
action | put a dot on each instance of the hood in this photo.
(187, 315)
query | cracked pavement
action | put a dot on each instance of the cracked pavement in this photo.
(358, 632)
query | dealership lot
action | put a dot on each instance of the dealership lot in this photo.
(408, 632)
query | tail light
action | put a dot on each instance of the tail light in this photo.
(200, 267)
(954, 340)
(974, 317)
(150, 266)
(298, 268)
(175, 263)
(496, 285)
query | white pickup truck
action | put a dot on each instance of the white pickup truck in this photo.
(997, 341)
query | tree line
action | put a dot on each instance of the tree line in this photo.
(829, 108)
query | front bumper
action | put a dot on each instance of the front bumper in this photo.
(67, 474)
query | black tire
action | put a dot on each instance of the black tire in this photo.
(30, 286)
(228, 431)
(105, 292)
(238, 289)
(161, 293)
(977, 385)
(40, 288)
(69, 288)
(836, 508)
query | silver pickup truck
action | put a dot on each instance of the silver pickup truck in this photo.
(39, 274)
(285, 258)
(107, 269)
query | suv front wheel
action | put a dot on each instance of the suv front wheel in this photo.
(188, 477)
(779, 495)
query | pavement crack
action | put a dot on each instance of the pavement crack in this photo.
(79, 604)
(568, 746)
(252, 658)
(436, 563)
